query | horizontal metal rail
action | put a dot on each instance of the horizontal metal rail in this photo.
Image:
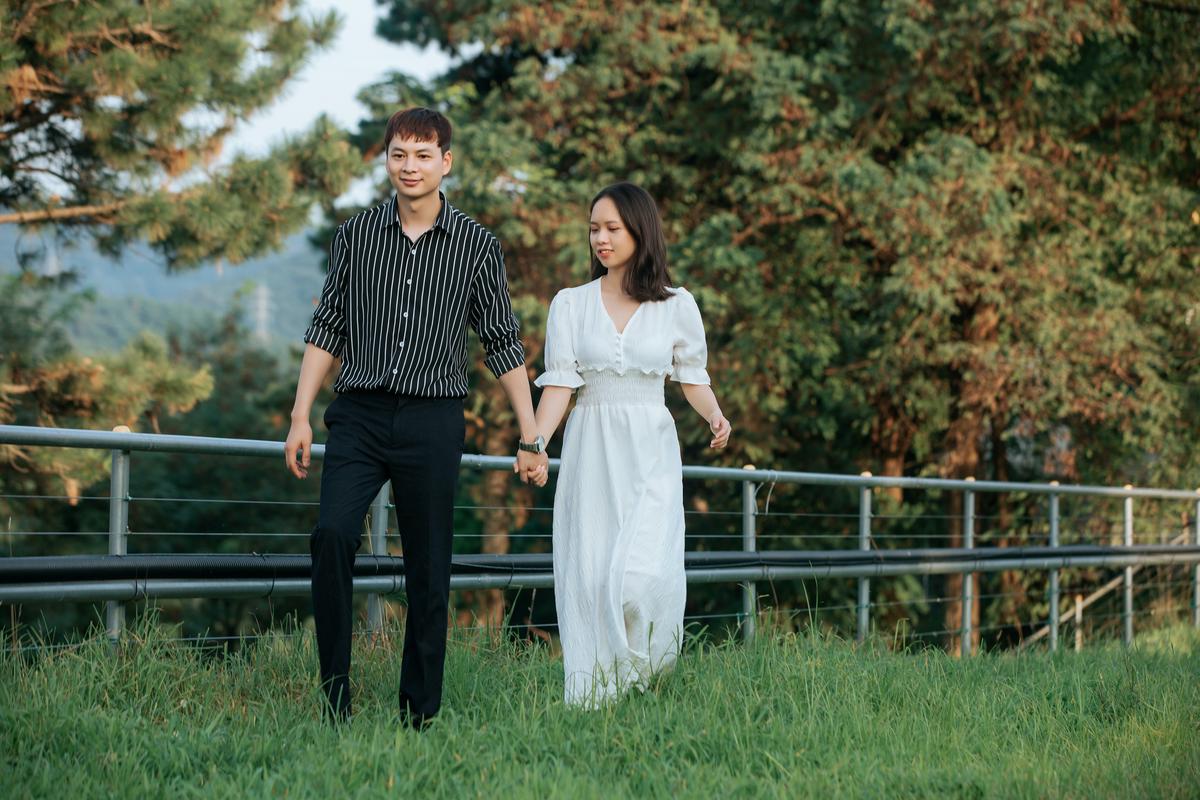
(162, 443)
(32, 569)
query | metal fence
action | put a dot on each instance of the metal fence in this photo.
(862, 533)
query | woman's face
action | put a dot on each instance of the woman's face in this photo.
(612, 243)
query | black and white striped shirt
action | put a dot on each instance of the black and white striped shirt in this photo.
(396, 311)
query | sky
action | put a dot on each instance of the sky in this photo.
(333, 76)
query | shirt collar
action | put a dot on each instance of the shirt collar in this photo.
(443, 217)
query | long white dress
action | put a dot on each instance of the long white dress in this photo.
(618, 507)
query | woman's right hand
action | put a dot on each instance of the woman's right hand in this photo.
(721, 429)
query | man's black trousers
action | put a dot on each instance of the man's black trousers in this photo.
(417, 443)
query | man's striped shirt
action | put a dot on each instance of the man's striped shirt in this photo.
(396, 311)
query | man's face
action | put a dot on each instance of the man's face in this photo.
(416, 168)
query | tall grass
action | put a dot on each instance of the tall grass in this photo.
(785, 717)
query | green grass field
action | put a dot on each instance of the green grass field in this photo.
(786, 717)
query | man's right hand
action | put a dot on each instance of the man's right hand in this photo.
(297, 452)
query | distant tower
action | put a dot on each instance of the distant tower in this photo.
(262, 312)
(52, 267)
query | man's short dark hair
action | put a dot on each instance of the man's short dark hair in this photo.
(421, 124)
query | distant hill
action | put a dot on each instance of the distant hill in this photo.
(137, 292)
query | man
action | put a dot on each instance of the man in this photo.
(405, 279)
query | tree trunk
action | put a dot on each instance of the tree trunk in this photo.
(975, 400)
(1012, 584)
(892, 435)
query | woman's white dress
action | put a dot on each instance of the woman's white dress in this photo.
(618, 507)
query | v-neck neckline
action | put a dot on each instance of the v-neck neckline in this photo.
(608, 316)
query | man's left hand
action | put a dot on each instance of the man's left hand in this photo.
(532, 467)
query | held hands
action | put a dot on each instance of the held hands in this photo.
(532, 467)
(721, 429)
(297, 452)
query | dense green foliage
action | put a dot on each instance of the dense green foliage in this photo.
(916, 235)
(786, 717)
(958, 240)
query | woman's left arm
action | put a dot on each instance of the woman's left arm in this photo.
(701, 398)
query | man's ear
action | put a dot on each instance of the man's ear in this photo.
(447, 162)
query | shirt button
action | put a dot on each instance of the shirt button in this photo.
(406, 315)
(402, 344)
(395, 372)
(409, 281)
(414, 252)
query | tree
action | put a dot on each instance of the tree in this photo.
(113, 114)
(43, 382)
(920, 236)
(111, 117)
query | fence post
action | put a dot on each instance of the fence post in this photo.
(968, 585)
(1127, 609)
(1054, 599)
(1078, 622)
(1196, 569)
(864, 543)
(379, 520)
(118, 528)
(749, 588)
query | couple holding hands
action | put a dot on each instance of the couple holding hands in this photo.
(405, 280)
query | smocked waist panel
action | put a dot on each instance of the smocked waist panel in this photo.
(610, 389)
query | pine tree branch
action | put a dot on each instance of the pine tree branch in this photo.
(71, 212)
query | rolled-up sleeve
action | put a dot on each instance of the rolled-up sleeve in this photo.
(492, 317)
(690, 353)
(328, 328)
(562, 368)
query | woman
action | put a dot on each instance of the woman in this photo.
(618, 506)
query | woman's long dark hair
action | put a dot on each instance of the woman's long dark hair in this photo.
(646, 277)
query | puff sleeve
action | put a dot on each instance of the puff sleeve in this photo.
(562, 369)
(690, 353)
